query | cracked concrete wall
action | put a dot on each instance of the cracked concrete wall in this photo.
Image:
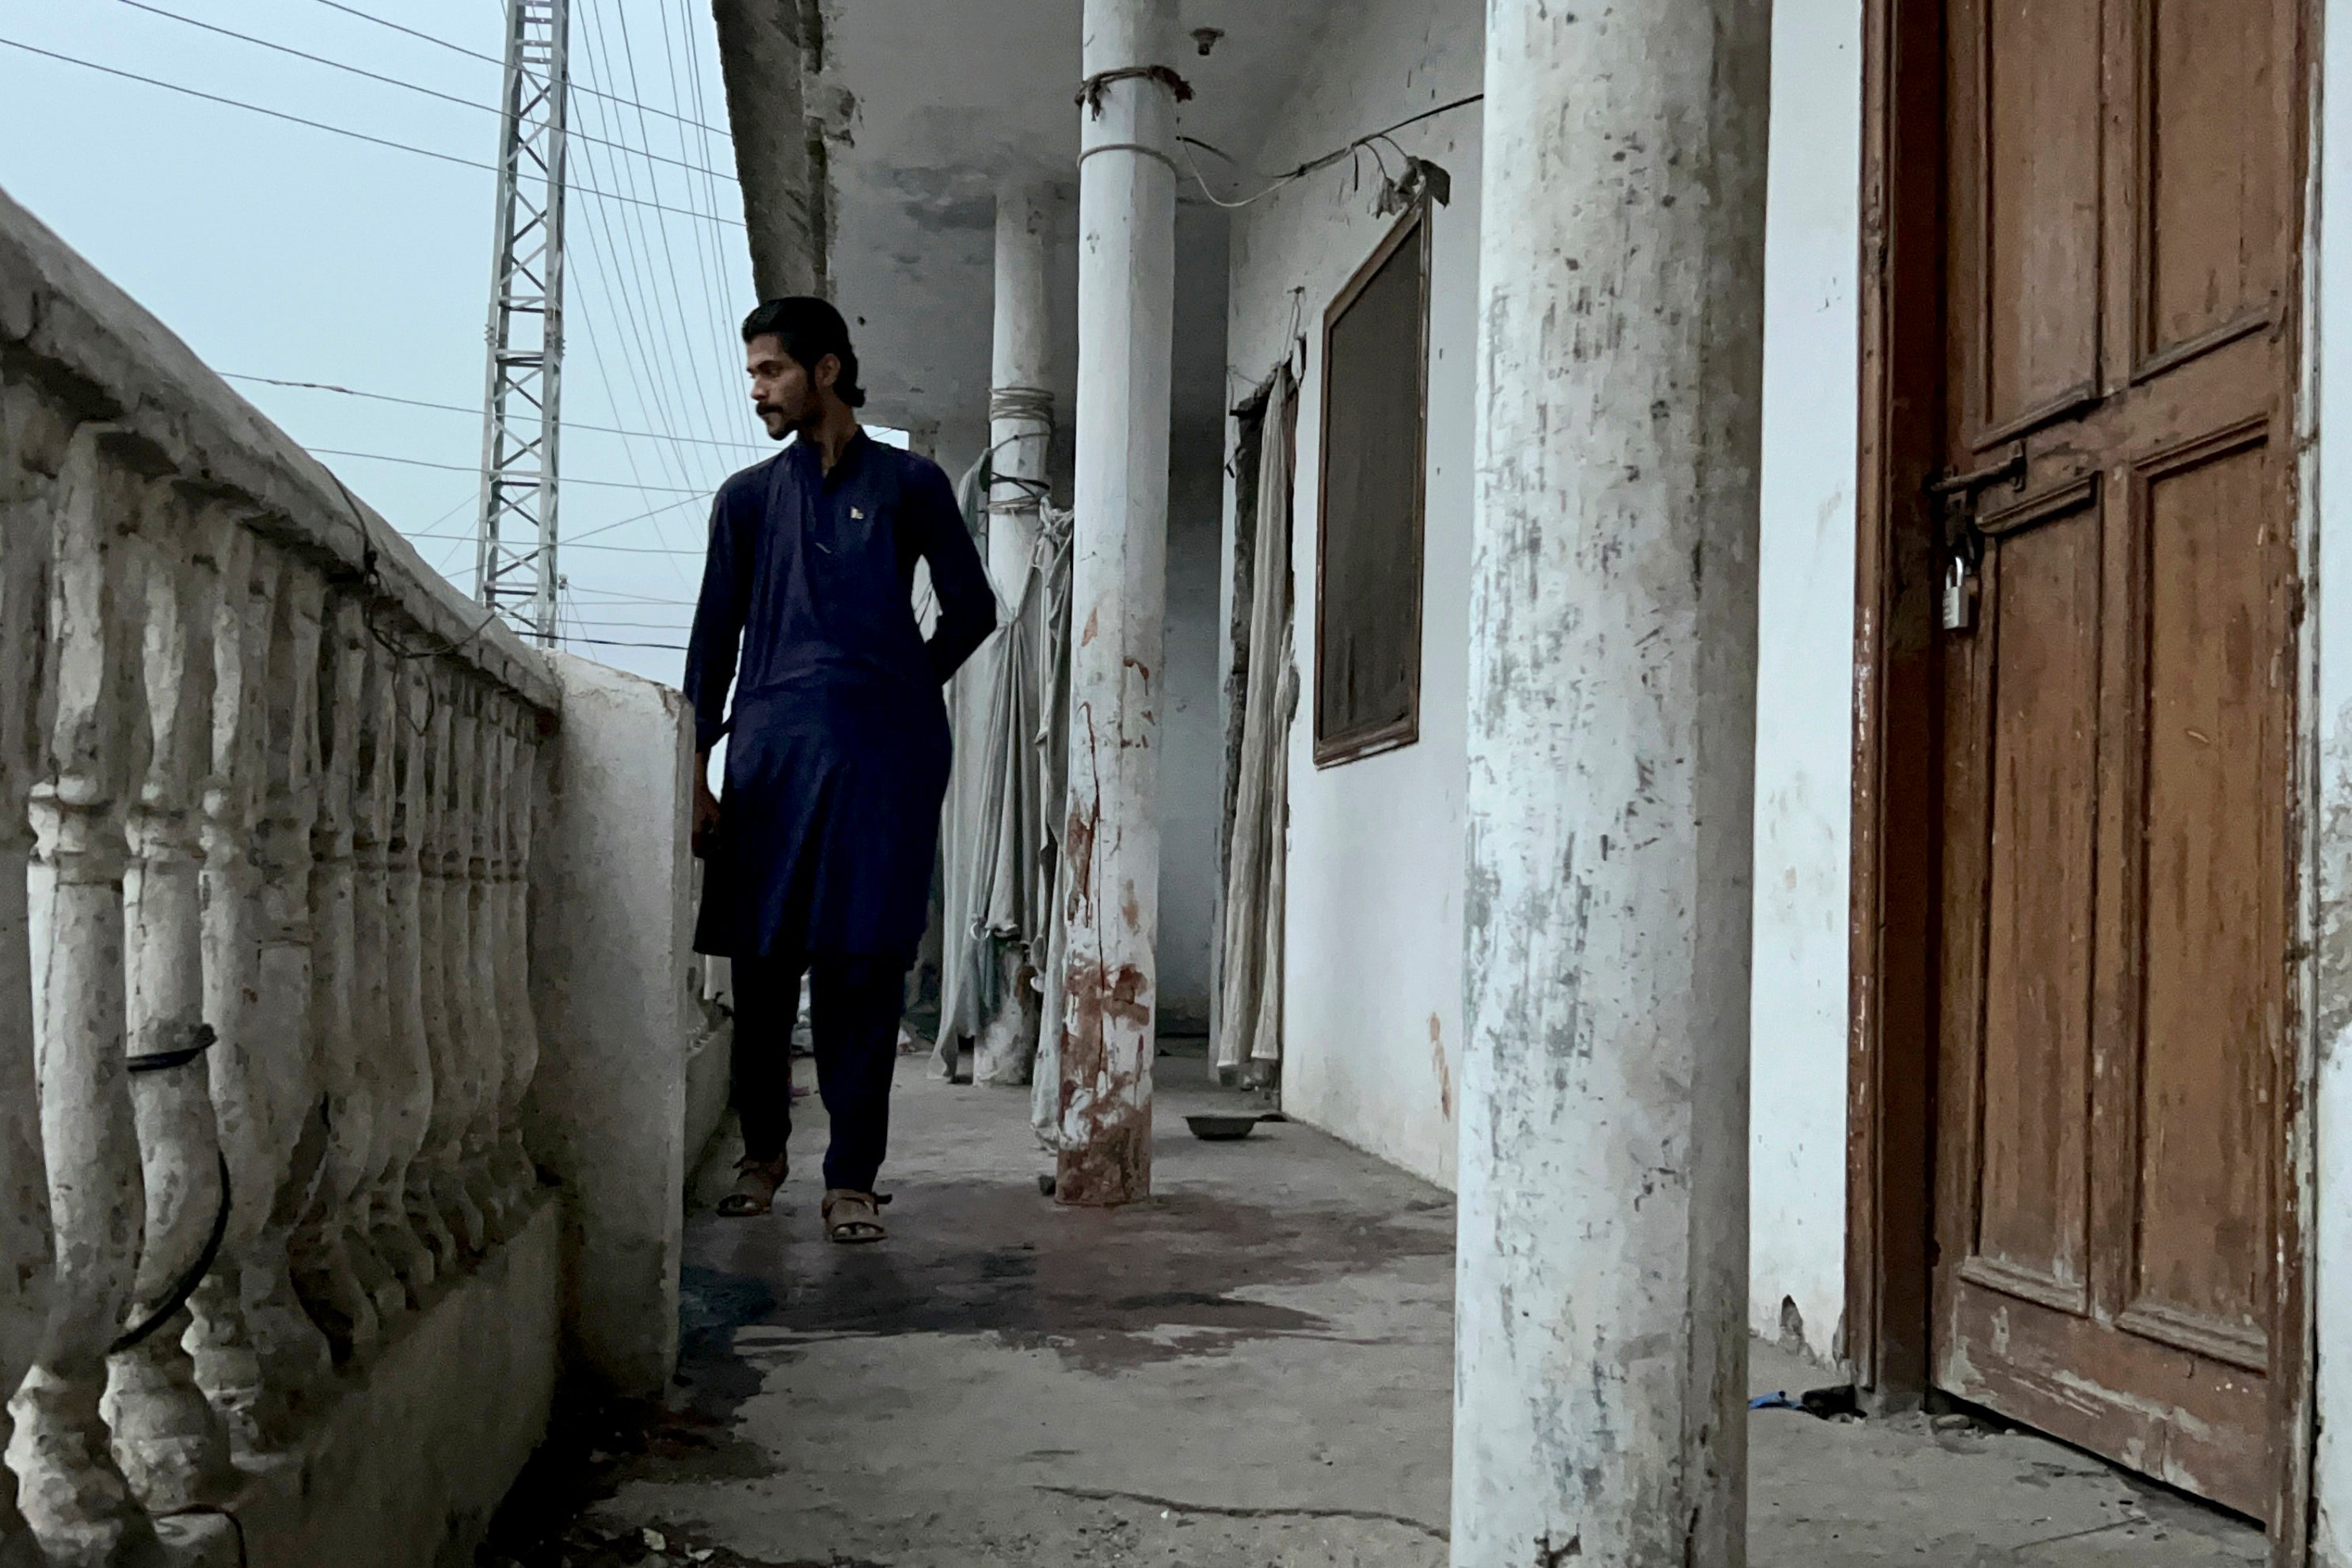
(769, 52)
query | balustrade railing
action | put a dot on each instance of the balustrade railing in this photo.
(266, 813)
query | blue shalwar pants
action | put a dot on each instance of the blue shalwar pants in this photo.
(855, 1005)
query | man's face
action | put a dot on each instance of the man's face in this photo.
(783, 390)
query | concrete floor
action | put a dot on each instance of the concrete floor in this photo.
(1250, 1372)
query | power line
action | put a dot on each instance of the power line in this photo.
(618, 598)
(642, 249)
(476, 412)
(336, 130)
(646, 136)
(574, 544)
(579, 619)
(640, 516)
(596, 358)
(462, 468)
(648, 374)
(477, 55)
(638, 351)
(462, 102)
(652, 397)
(723, 321)
(612, 642)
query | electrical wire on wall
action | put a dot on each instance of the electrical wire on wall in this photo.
(1432, 177)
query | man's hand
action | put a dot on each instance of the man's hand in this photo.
(706, 807)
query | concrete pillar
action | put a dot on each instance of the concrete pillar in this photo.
(1020, 402)
(1601, 1335)
(1110, 873)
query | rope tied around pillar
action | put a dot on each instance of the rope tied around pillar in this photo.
(1017, 401)
(1090, 92)
(1027, 405)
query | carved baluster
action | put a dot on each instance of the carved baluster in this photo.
(294, 1354)
(483, 920)
(229, 1363)
(72, 1492)
(169, 1441)
(444, 1023)
(335, 1270)
(410, 1179)
(32, 443)
(387, 1036)
(458, 943)
(521, 1028)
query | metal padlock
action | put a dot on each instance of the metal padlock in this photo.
(1959, 596)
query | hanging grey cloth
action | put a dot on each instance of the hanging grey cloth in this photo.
(1051, 748)
(968, 822)
(1003, 806)
(1249, 1005)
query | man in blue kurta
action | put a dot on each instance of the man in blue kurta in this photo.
(818, 855)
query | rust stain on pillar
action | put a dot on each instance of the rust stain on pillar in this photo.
(1114, 1164)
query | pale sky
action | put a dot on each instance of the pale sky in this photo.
(278, 250)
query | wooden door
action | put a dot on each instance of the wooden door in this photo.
(2116, 724)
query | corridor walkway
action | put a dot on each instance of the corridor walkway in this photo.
(1252, 1371)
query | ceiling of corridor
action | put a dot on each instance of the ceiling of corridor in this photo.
(942, 100)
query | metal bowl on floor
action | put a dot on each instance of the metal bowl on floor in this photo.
(1218, 1129)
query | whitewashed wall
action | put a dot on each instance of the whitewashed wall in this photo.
(1376, 867)
(1804, 676)
(1373, 1001)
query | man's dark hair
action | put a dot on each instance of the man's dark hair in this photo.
(809, 329)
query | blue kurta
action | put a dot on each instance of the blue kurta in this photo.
(837, 751)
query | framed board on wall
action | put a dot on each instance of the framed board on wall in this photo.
(1368, 558)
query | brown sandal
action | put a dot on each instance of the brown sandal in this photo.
(755, 1188)
(852, 1219)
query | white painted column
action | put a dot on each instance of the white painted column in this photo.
(1020, 435)
(1600, 1326)
(1127, 266)
(1020, 400)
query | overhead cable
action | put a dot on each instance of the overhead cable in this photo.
(458, 99)
(462, 468)
(336, 130)
(569, 424)
(673, 298)
(478, 55)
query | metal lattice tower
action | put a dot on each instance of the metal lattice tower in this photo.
(515, 561)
